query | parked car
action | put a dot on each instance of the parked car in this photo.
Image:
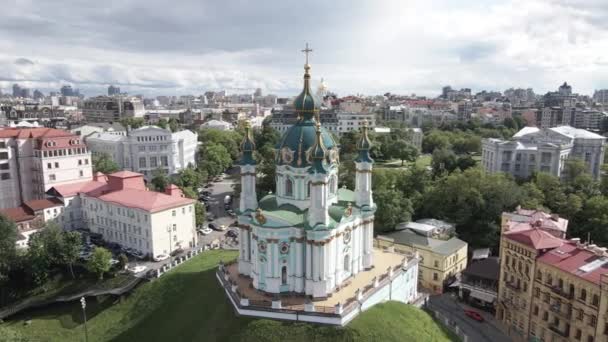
(138, 269)
(222, 227)
(205, 231)
(138, 254)
(161, 257)
(204, 198)
(232, 233)
(206, 193)
(113, 262)
(214, 226)
(474, 315)
(177, 251)
(85, 255)
(210, 217)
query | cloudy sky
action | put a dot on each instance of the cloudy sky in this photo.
(360, 46)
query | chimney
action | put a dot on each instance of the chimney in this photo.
(173, 190)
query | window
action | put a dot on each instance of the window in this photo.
(284, 275)
(142, 162)
(537, 292)
(5, 166)
(56, 164)
(583, 296)
(174, 227)
(308, 189)
(86, 161)
(5, 176)
(52, 177)
(435, 276)
(535, 310)
(545, 316)
(79, 161)
(164, 161)
(592, 320)
(49, 165)
(81, 173)
(288, 187)
(173, 213)
(347, 263)
(579, 315)
(3, 155)
(153, 162)
(578, 334)
(141, 148)
(596, 300)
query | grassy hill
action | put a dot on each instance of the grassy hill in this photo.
(188, 305)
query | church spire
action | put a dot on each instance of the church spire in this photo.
(305, 104)
(247, 146)
(318, 153)
(364, 145)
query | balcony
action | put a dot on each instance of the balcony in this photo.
(513, 286)
(559, 291)
(564, 314)
(558, 331)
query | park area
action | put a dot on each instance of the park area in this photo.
(187, 304)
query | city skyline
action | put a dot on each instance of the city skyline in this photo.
(413, 47)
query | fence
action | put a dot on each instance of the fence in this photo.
(447, 322)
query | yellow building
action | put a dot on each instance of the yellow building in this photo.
(550, 288)
(441, 257)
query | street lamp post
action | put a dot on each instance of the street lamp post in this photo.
(83, 304)
(170, 257)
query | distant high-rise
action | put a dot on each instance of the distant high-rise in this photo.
(565, 89)
(67, 90)
(112, 90)
(16, 90)
(26, 93)
(38, 94)
(258, 92)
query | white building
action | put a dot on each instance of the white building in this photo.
(218, 124)
(120, 208)
(310, 239)
(101, 127)
(148, 148)
(32, 160)
(112, 108)
(544, 150)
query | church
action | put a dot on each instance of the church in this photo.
(309, 236)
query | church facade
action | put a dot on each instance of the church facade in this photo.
(309, 236)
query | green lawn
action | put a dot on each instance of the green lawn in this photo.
(188, 305)
(423, 161)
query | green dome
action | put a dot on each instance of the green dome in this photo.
(297, 141)
(306, 104)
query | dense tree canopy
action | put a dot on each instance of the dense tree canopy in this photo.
(103, 162)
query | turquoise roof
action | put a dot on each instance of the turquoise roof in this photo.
(299, 138)
(306, 104)
(363, 146)
(287, 215)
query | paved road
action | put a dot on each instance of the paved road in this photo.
(219, 190)
(476, 331)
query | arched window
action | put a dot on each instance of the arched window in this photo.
(288, 187)
(284, 275)
(333, 185)
(347, 263)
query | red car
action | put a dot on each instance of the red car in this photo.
(474, 315)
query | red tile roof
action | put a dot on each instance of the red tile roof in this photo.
(125, 188)
(18, 214)
(569, 258)
(41, 204)
(535, 238)
(29, 133)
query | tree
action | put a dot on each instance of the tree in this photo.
(103, 162)
(71, 245)
(8, 238)
(435, 140)
(173, 124)
(134, 123)
(99, 262)
(189, 177)
(443, 160)
(159, 180)
(162, 123)
(199, 214)
(38, 259)
(392, 210)
(404, 151)
(573, 168)
(215, 159)
(123, 261)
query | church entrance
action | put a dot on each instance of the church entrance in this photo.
(284, 280)
(347, 266)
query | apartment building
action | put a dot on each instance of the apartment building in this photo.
(31, 216)
(148, 148)
(32, 160)
(550, 288)
(120, 208)
(442, 255)
(112, 108)
(544, 150)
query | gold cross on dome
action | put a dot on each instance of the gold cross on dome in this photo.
(307, 50)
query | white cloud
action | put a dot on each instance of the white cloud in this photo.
(360, 46)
